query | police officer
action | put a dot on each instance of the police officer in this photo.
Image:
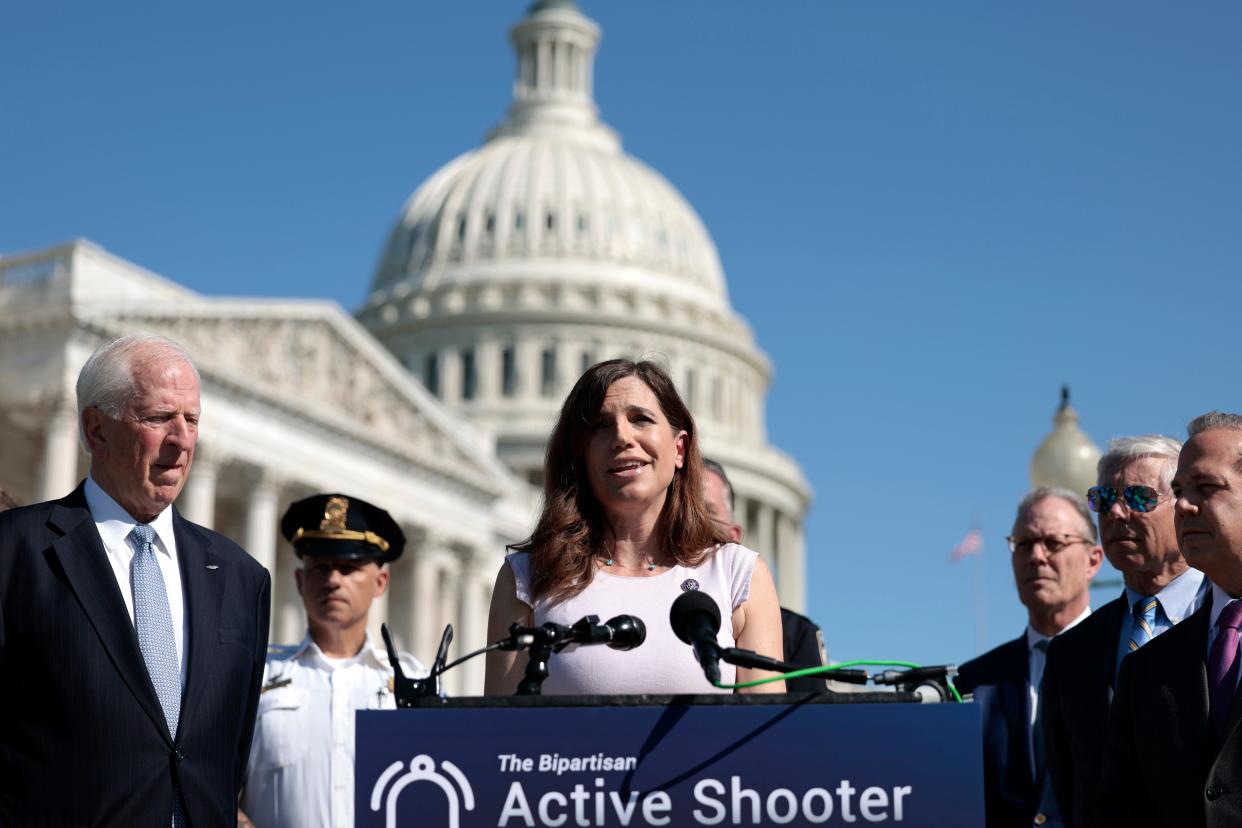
(301, 770)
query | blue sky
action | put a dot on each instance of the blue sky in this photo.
(932, 214)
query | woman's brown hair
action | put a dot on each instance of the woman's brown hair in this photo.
(572, 528)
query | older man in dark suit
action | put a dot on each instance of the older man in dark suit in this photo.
(1134, 503)
(131, 641)
(1055, 555)
(1174, 751)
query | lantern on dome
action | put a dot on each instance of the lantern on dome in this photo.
(1066, 457)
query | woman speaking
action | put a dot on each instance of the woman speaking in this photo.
(624, 531)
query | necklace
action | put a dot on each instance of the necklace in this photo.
(651, 565)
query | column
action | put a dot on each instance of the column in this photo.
(764, 541)
(472, 626)
(60, 453)
(530, 375)
(399, 609)
(198, 499)
(488, 368)
(426, 634)
(791, 565)
(450, 374)
(450, 604)
(261, 522)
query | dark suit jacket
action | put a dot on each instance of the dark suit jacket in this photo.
(1012, 795)
(1161, 767)
(1076, 692)
(804, 647)
(82, 736)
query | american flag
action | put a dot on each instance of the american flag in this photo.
(972, 544)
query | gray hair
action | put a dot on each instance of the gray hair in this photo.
(1068, 495)
(1124, 450)
(1214, 420)
(715, 468)
(106, 381)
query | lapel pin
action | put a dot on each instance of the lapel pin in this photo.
(212, 566)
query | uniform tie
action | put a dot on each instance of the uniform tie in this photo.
(153, 623)
(1144, 621)
(1223, 666)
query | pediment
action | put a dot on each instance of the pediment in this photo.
(315, 363)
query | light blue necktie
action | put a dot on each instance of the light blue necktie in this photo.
(1144, 621)
(153, 623)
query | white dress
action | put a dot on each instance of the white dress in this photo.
(662, 663)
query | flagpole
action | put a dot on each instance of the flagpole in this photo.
(980, 612)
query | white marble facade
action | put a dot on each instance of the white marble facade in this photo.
(508, 271)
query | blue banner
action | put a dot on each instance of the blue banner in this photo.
(673, 765)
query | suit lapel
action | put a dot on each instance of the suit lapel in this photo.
(1186, 682)
(81, 556)
(1015, 701)
(202, 579)
(1104, 670)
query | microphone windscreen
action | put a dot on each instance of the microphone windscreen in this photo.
(627, 632)
(689, 605)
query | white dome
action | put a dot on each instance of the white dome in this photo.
(541, 195)
(551, 183)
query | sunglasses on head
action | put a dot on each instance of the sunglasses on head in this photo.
(1138, 498)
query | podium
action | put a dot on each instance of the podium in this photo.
(679, 761)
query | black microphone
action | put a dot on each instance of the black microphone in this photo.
(695, 618)
(625, 632)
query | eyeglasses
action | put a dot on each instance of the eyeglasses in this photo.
(1052, 544)
(1138, 498)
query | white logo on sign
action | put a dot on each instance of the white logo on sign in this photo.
(422, 769)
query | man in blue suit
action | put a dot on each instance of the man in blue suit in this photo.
(131, 640)
(1055, 556)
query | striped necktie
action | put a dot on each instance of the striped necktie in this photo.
(153, 623)
(1144, 621)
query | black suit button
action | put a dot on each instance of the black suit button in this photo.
(1213, 792)
(178, 755)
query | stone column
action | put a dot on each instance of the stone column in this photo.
(261, 519)
(764, 540)
(472, 624)
(530, 371)
(198, 499)
(448, 612)
(60, 453)
(399, 609)
(791, 565)
(426, 633)
(488, 370)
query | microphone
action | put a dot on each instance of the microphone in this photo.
(625, 632)
(695, 619)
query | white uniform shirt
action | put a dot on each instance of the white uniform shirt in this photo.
(114, 525)
(301, 770)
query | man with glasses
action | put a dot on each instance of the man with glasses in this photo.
(1054, 557)
(1174, 751)
(1134, 504)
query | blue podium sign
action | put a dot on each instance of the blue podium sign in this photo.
(669, 765)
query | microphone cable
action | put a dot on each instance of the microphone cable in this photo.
(827, 669)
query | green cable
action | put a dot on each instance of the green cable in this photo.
(814, 671)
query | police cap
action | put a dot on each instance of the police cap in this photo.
(336, 526)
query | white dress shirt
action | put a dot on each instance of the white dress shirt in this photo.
(114, 525)
(301, 770)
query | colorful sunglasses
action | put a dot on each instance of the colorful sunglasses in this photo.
(1138, 498)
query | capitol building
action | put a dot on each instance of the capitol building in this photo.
(507, 272)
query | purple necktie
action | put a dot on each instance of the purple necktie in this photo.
(1223, 666)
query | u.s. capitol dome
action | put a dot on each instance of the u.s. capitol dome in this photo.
(548, 248)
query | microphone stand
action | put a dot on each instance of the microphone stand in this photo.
(406, 689)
